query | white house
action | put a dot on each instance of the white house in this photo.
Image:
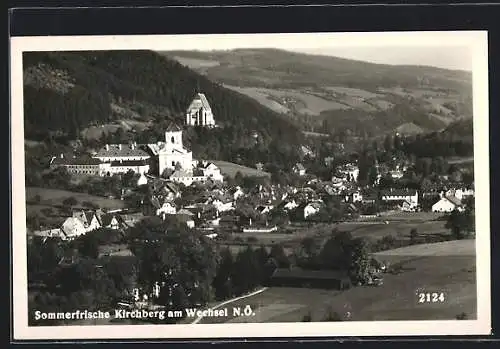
(166, 208)
(299, 169)
(460, 194)
(447, 204)
(290, 205)
(223, 206)
(89, 220)
(209, 170)
(73, 228)
(199, 112)
(311, 209)
(143, 180)
(409, 195)
(237, 193)
(110, 221)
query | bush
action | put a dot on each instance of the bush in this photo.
(71, 201)
(307, 317)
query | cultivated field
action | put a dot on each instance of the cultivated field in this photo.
(443, 267)
(302, 102)
(230, 169)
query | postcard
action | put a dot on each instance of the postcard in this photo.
(250, 185)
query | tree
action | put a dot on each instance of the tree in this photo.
(460, 223)
(245, 271)
(88, 245)
(223, 284)
(169, 253)
(373, 175)
(279, 255)
(413, 236)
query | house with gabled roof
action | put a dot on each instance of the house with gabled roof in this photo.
(72, 228)
(88, 218)
(299, 169)
(447, 204)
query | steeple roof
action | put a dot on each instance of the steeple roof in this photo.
(173, 127)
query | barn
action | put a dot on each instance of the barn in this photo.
(298, 277)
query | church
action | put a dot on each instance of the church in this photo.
(199, 112)
(172, 154)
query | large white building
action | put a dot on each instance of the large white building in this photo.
(199, 112)
(172, 153)
(121, 152)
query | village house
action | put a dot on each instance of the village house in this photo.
(73, 228)
(396, 174)
(236, 192)
(299, 169)
(89, 219)
(110, 221)
(400, 195)
(459, 193)
(165, 209)
(349, 172)
(263, 209)
(142, 180)
(354, 196)
(223, 204)
(186, 217)
(290, 205)
(199, 112)
(447, 204)
(312, 208)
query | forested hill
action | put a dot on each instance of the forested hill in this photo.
(65, 92)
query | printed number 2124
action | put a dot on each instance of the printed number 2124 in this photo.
(431, 297)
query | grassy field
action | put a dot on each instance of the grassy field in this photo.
(448, 268)
(230, 169)
(50, 197)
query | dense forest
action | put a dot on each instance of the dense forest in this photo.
(156, 87)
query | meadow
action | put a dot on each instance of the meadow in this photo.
(442, 267)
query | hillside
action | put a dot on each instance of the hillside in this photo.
(116, 95)
(325, 94)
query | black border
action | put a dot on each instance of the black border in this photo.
(271, 19)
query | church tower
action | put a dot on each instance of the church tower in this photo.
(173, 136)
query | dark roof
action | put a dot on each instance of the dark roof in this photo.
(309, 274)
(398, 192)
(107, 218)
(173, 127)
(128, 163)
(114, 150)
(82, 160)
(454, 200)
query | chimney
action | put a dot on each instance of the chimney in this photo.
(107, 146)
(119, 146)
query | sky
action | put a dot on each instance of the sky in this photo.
(441, 57)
